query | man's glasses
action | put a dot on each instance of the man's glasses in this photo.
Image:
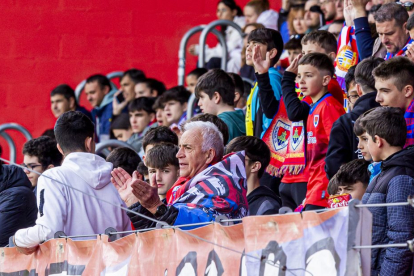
(31, 166)
(353, 98)
(407, 5)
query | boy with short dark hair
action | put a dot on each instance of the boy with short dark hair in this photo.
(121, 127)
(261, 199)
(313, 72)
(149, 88)
(159, 112)
(125, 158)
(294, 47)
(215, 93)
(62, 99)
(350, 85)
(141, 118)
(175, 105)
(40, 154)
(192, 78)
(386, 128)
(158, 135)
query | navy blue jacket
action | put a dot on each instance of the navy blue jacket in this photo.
(18, 207)
(394, 224)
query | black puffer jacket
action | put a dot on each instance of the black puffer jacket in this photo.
(18, 207)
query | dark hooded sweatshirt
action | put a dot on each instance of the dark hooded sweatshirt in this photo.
(263, 201)
(343, 143)
(392, 224)
(18, 207)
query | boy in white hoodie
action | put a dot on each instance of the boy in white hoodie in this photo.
(64, 209)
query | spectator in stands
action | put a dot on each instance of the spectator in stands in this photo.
(350, 85)
(395, 87)
(332, 11)
(121, 128)
(313, 16)
(158, 135)
(293, 47)
(336, 27)
(247, 71)
(17, 202)
(215, 91)
(149, 88)
(175, 105)
(258, 11)
(261, 199)
(65, 209)
(62, 99)
(205, 117)
(192, 77)
(296, 20)
(99, 94)
(353, 178)
(410, 28)
(226, 10)
(407, 5)
(163, 170)
(201, 146)
(343, 143)
(325, 43)
(390, 21)
(143, 171)
(239, 88)
(159, 112)
(128, 81)
(128, 160)
(39, 155)
(386, 129)
(142, 119)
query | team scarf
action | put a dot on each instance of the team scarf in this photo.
(250, 112)
(409, 119)
(221, 188)
(400, 52)
(285, 140)
(347, 55)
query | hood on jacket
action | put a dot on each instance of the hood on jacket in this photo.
(92, 168)
(107, 99)
(237, 118)
(364, 103)
(12, 176)
(403, 158)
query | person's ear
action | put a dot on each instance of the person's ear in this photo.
(332, 55)
(326, 79)
(379, 141)
(216, 98)
(234, 13)
(50, 166)
(404, 27)
(72, 103)
(408, 91)
(273, 53)
(184, 105)
(236, 97)
(211, 155)
(106, 89)
(90, 144)
(358, 89)
(255, 167)
(152, 116)
(154, 93)
(60, 150)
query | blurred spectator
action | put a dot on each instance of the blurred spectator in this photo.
(247, 71)
(257, 11)
(143, 171)
(335, 28)
(239, 88)
(62, 99)
(192, 77)
(159, 112)
(128, 81)
(121, 128)
(313, 16)
(175, 105)
(149, 88)
(296, 20)
(124, 158)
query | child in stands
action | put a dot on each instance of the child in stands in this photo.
(192, 78)
(159, 112)
(141, 118)
(121, 128)
(215, 91)
(261, 199)
(39, 155)
(313, 72)
(386, 129)
(175, 105)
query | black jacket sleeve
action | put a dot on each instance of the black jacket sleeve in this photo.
(339, 149)
(143, 223)
(296, 109)
(268, 102)
(365, 43)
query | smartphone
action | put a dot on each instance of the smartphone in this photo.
(120, 98)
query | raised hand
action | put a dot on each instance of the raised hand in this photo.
(409, 53)
(293, 67)
(359, 7)
(147, 194)
(260, 65)
(116, 106)
(122, 182)
(349, 13)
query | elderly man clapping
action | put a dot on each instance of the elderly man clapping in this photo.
(207, 186)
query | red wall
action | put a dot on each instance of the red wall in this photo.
(48, 42)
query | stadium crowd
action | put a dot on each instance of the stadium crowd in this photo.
(330, 118)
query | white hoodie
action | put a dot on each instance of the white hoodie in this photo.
(269, 19)
(64, 209)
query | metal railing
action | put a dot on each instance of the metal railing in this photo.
(112, 75)
(9, 140)
(102, 148)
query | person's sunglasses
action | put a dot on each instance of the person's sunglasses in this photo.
(407, 5)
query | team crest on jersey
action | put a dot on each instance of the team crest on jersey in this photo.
(297, 135)
(315, 120)
(281, 135)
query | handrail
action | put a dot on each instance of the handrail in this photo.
(12, 146)
(102, 146)
(9, 140)
(190, 105)
(203, 38)
(183, 45)
(81, 85)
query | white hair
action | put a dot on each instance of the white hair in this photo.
(212, 137)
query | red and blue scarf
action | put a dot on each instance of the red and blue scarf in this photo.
(400, 52)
